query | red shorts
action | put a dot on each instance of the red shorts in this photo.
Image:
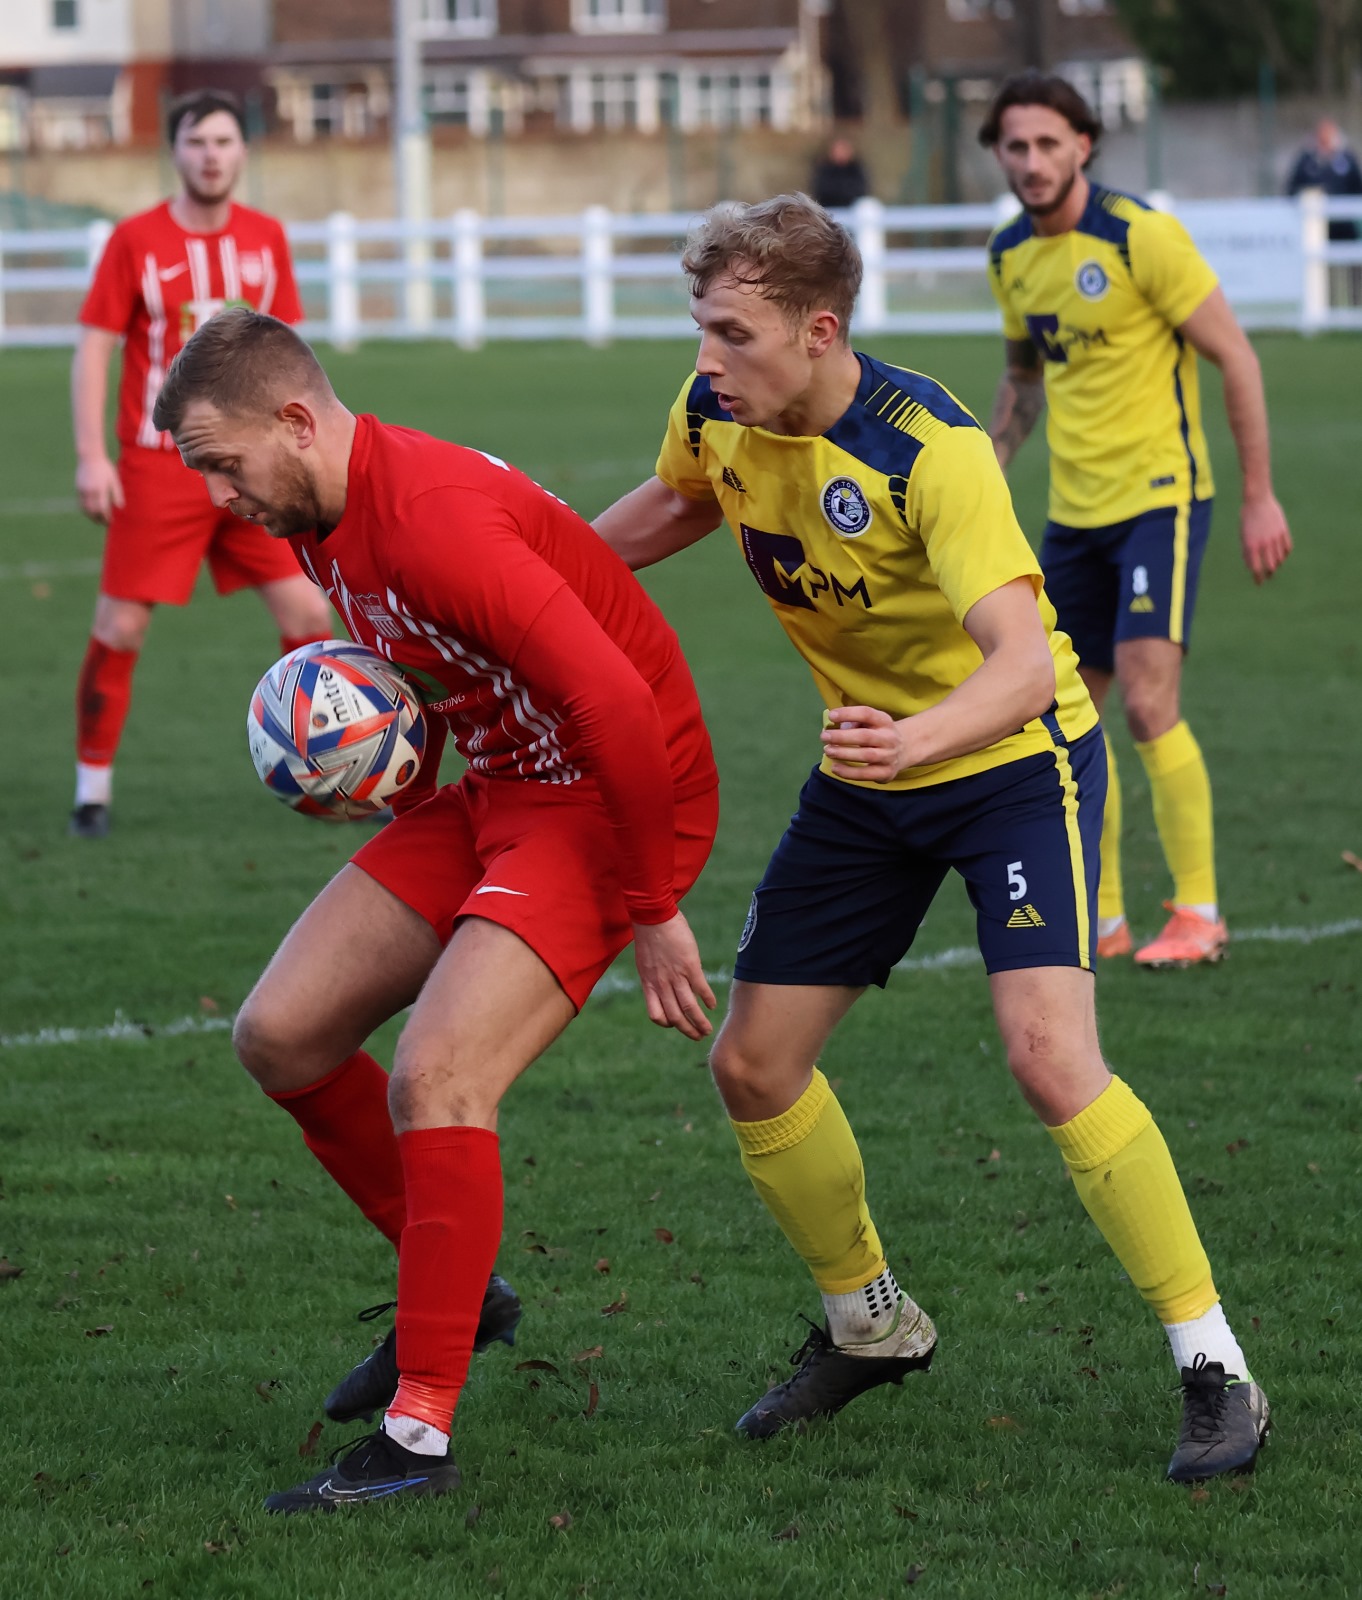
(166, 528)
(538, 859)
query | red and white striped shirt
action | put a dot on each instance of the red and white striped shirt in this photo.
(155, 284)
(530, 640)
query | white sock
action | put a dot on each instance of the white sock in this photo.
(413, 1434)
(1208, 1336)
(1207, 909)
(864, 1315)
(94, 785)
(1106, 926)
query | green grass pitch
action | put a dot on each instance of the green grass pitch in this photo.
(189, 1276)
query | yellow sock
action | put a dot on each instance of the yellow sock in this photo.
(1110, 897)
(1181, 788)
(806, 1166)
(1128, 1185)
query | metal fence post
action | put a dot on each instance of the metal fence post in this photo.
(342, 280)
(1314, 244)
(470, 305)
(867, 219)
(598, 283)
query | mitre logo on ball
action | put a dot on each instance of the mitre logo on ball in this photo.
(335, 731)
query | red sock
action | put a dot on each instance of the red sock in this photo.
(449, 1247)
(346, 1125)
(287, 643)
(103, 695)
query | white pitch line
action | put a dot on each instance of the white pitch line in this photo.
(618, 983)
(28, 571)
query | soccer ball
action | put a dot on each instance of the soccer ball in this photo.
(335, 730)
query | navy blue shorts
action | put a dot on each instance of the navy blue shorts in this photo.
(850, 882)
(1131, 580)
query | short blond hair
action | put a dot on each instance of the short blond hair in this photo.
(788, 248)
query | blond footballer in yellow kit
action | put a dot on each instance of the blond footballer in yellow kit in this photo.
(871, 511)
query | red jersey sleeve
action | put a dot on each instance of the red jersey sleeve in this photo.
(111, 301)
(463, 563)
(287, 304)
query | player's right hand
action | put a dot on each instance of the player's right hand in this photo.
(674, 984)
(99, 488)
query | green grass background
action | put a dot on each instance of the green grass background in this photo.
(147, 1188)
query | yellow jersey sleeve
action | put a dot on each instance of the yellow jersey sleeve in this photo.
(678, 461)
(957, 499)
(1014, 324)
(1168, 269)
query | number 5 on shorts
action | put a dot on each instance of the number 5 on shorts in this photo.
(1016, 881)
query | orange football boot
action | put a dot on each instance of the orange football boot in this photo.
(1116, 943)
(1188, 938)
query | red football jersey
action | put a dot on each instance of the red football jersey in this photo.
(531, 641)
(156, 283)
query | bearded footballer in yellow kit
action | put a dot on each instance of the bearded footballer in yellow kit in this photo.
(873, 515)
(1106, 304)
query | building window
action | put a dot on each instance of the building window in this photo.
(65, 14)
(619, 16)
(1085, 8)
(732, 98)
(460, 19)
(980, 10)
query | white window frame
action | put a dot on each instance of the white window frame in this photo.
(619, 16)
(739, 94)
(458, 19)
(65, 27)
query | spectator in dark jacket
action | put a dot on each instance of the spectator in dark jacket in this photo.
(839, 179)
(1328, 164)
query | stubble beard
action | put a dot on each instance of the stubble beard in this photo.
(1049, 207)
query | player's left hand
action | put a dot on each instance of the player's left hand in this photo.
(674, 984)
(865, 744)
(1265, 537)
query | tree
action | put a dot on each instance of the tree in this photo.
(1214, 48)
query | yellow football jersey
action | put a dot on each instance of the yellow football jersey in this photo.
(1103, 303)
(872, 542)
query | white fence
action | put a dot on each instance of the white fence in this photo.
(599, 276)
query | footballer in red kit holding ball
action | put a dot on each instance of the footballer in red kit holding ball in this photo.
(491, 906)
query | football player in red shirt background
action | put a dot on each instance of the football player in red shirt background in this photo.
(163, 273)
(491, 906)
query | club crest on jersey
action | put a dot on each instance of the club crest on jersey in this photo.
(252, 265)
(846, 507)
(384, 623)
(1091, 281)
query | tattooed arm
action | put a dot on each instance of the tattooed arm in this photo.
(1019, 401)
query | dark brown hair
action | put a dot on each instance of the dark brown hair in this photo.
(198, 104)
(245, 363)
(788, 248)
(1034, 88)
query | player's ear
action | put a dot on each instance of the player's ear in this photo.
(301, 421)
(821, 332)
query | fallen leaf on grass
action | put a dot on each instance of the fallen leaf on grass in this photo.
(603, 1265)
(207, 1003)
(309, 1445)
(536, 1366)
(1234, 1148)
(561, 1520)
(1217, 1588)
(42, 591)
(615, 1306)
(903, 1511)
(1353, 861)
(263, 1389)
(594, 1354)
(100, 1331)
(1199, 1496)
(913, 1573)
(230, 1200)
(593, 1399)
(9, 1270)
(471, 1516)
(214, 1548)
(664, 1235)
(1002, 1422)
(790, 1532)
